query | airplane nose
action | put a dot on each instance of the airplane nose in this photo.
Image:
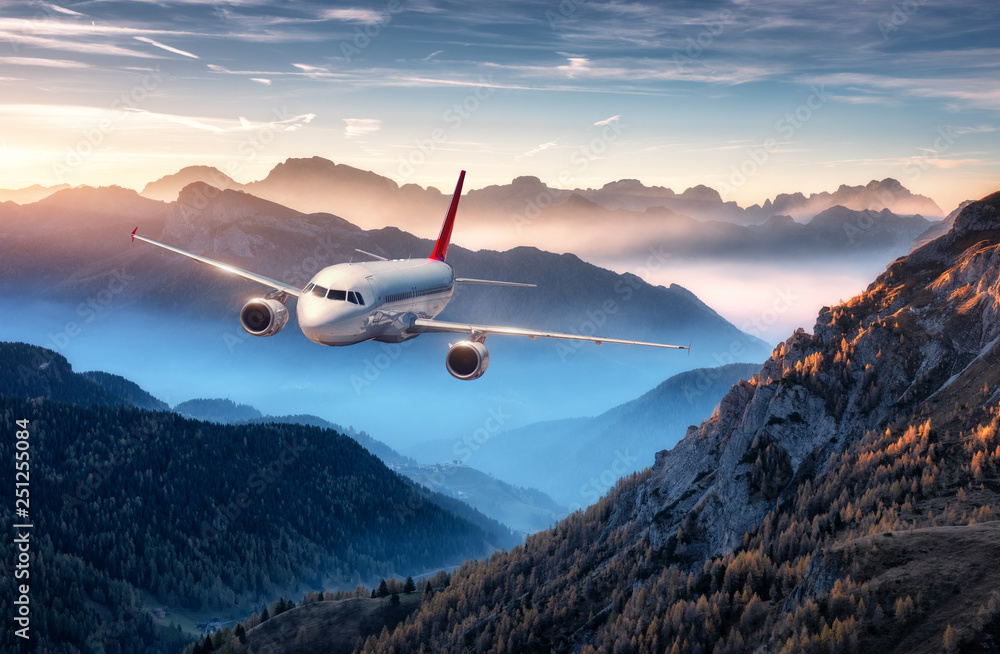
(325, 321)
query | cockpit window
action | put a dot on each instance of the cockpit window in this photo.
(361, 299)
(337, 295)
(354, 297)
(319, 291)
(308, 288)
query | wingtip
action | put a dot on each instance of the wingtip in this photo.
(133, 234)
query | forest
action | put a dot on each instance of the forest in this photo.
(201, 516)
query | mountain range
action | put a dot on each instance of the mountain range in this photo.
(843, 499)
(694, 223)
(881, 216)
(319, 185)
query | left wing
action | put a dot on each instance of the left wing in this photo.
(266, 281)
(425, 326)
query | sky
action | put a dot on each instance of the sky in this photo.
(752, 98)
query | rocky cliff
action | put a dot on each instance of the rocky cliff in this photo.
(921, 338)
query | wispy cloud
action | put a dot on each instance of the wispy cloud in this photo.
(261, 80)
(315, 72)
(539, 148)
(61, 10)
(220, 126)
(353, 15)
(70, 44)
(576, 66)
(607, 121)
(432, 55)
(981, 129)
(157, 44)
(37, 61)
(356, 127)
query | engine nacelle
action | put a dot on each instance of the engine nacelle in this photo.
(467, 360)
(262, 317)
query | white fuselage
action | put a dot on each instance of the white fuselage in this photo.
(353, 302)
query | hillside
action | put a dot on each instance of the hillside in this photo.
(764, 527)
(127, 390)
(219, 410)
(525, 510)
(202, 517)
(496, 507)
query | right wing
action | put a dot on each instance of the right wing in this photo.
(426, 325)
(467, 280)
(266, 281)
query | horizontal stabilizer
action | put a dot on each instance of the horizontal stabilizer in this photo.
(369, 254)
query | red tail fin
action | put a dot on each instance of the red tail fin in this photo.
(441, 247)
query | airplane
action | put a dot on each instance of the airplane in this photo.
(385, 300)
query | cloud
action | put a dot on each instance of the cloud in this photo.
(607, 121)
(575, 66)
(432, 55)
(261, 80)
(361, 127)
(540, 148)
(68, 44)
(352, 15)
(34, 61)
(315, 72)
(220, 126)
(61, 10)
(982, 129)
(168, 48)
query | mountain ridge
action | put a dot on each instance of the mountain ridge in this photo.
(876, 194)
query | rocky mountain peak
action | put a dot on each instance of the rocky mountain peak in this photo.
(701, 193)
(167, 188)
(921, 338)
(210, 219)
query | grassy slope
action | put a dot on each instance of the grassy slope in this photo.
(329, 627)
(952, 570)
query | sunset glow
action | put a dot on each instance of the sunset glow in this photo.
(752, 99)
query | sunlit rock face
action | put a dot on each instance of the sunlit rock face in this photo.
(920, 336)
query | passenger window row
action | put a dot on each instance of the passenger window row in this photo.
(409, 295)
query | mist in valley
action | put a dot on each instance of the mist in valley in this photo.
(400, 394)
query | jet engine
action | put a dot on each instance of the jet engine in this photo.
(263, 317)
(467, 360)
